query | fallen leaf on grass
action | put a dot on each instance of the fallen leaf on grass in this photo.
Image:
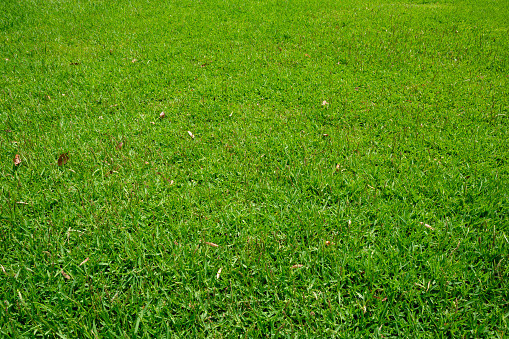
(219, 273)
(307, 55)
(17, 160)
(324, 103)
(63, 159)
(66, 276)
(161, 115)
(211, 244)
(426, 225)
(297, 266)
(84, 261)
(338, 167)
(190, 134)
(328, 243)
(119, 146)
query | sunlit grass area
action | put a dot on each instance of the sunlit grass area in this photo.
(322, 168)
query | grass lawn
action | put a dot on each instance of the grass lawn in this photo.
(322, 169)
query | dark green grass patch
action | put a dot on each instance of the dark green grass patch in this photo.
(323, 169)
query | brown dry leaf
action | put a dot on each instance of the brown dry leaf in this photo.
(297, 266)
(325, 135)
(328, 243)
(66, 276)
(190, 134)
(161, 115)
(426, 225)
(17, 160)
(84, 261)
(211, 244)
(63, 159)
(119, 146)
(307, 55)
(219, 273)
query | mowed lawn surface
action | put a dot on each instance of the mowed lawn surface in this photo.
(323, 168)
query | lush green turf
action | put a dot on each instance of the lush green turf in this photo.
(350, 160)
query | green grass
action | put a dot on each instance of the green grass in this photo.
(414, 131)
